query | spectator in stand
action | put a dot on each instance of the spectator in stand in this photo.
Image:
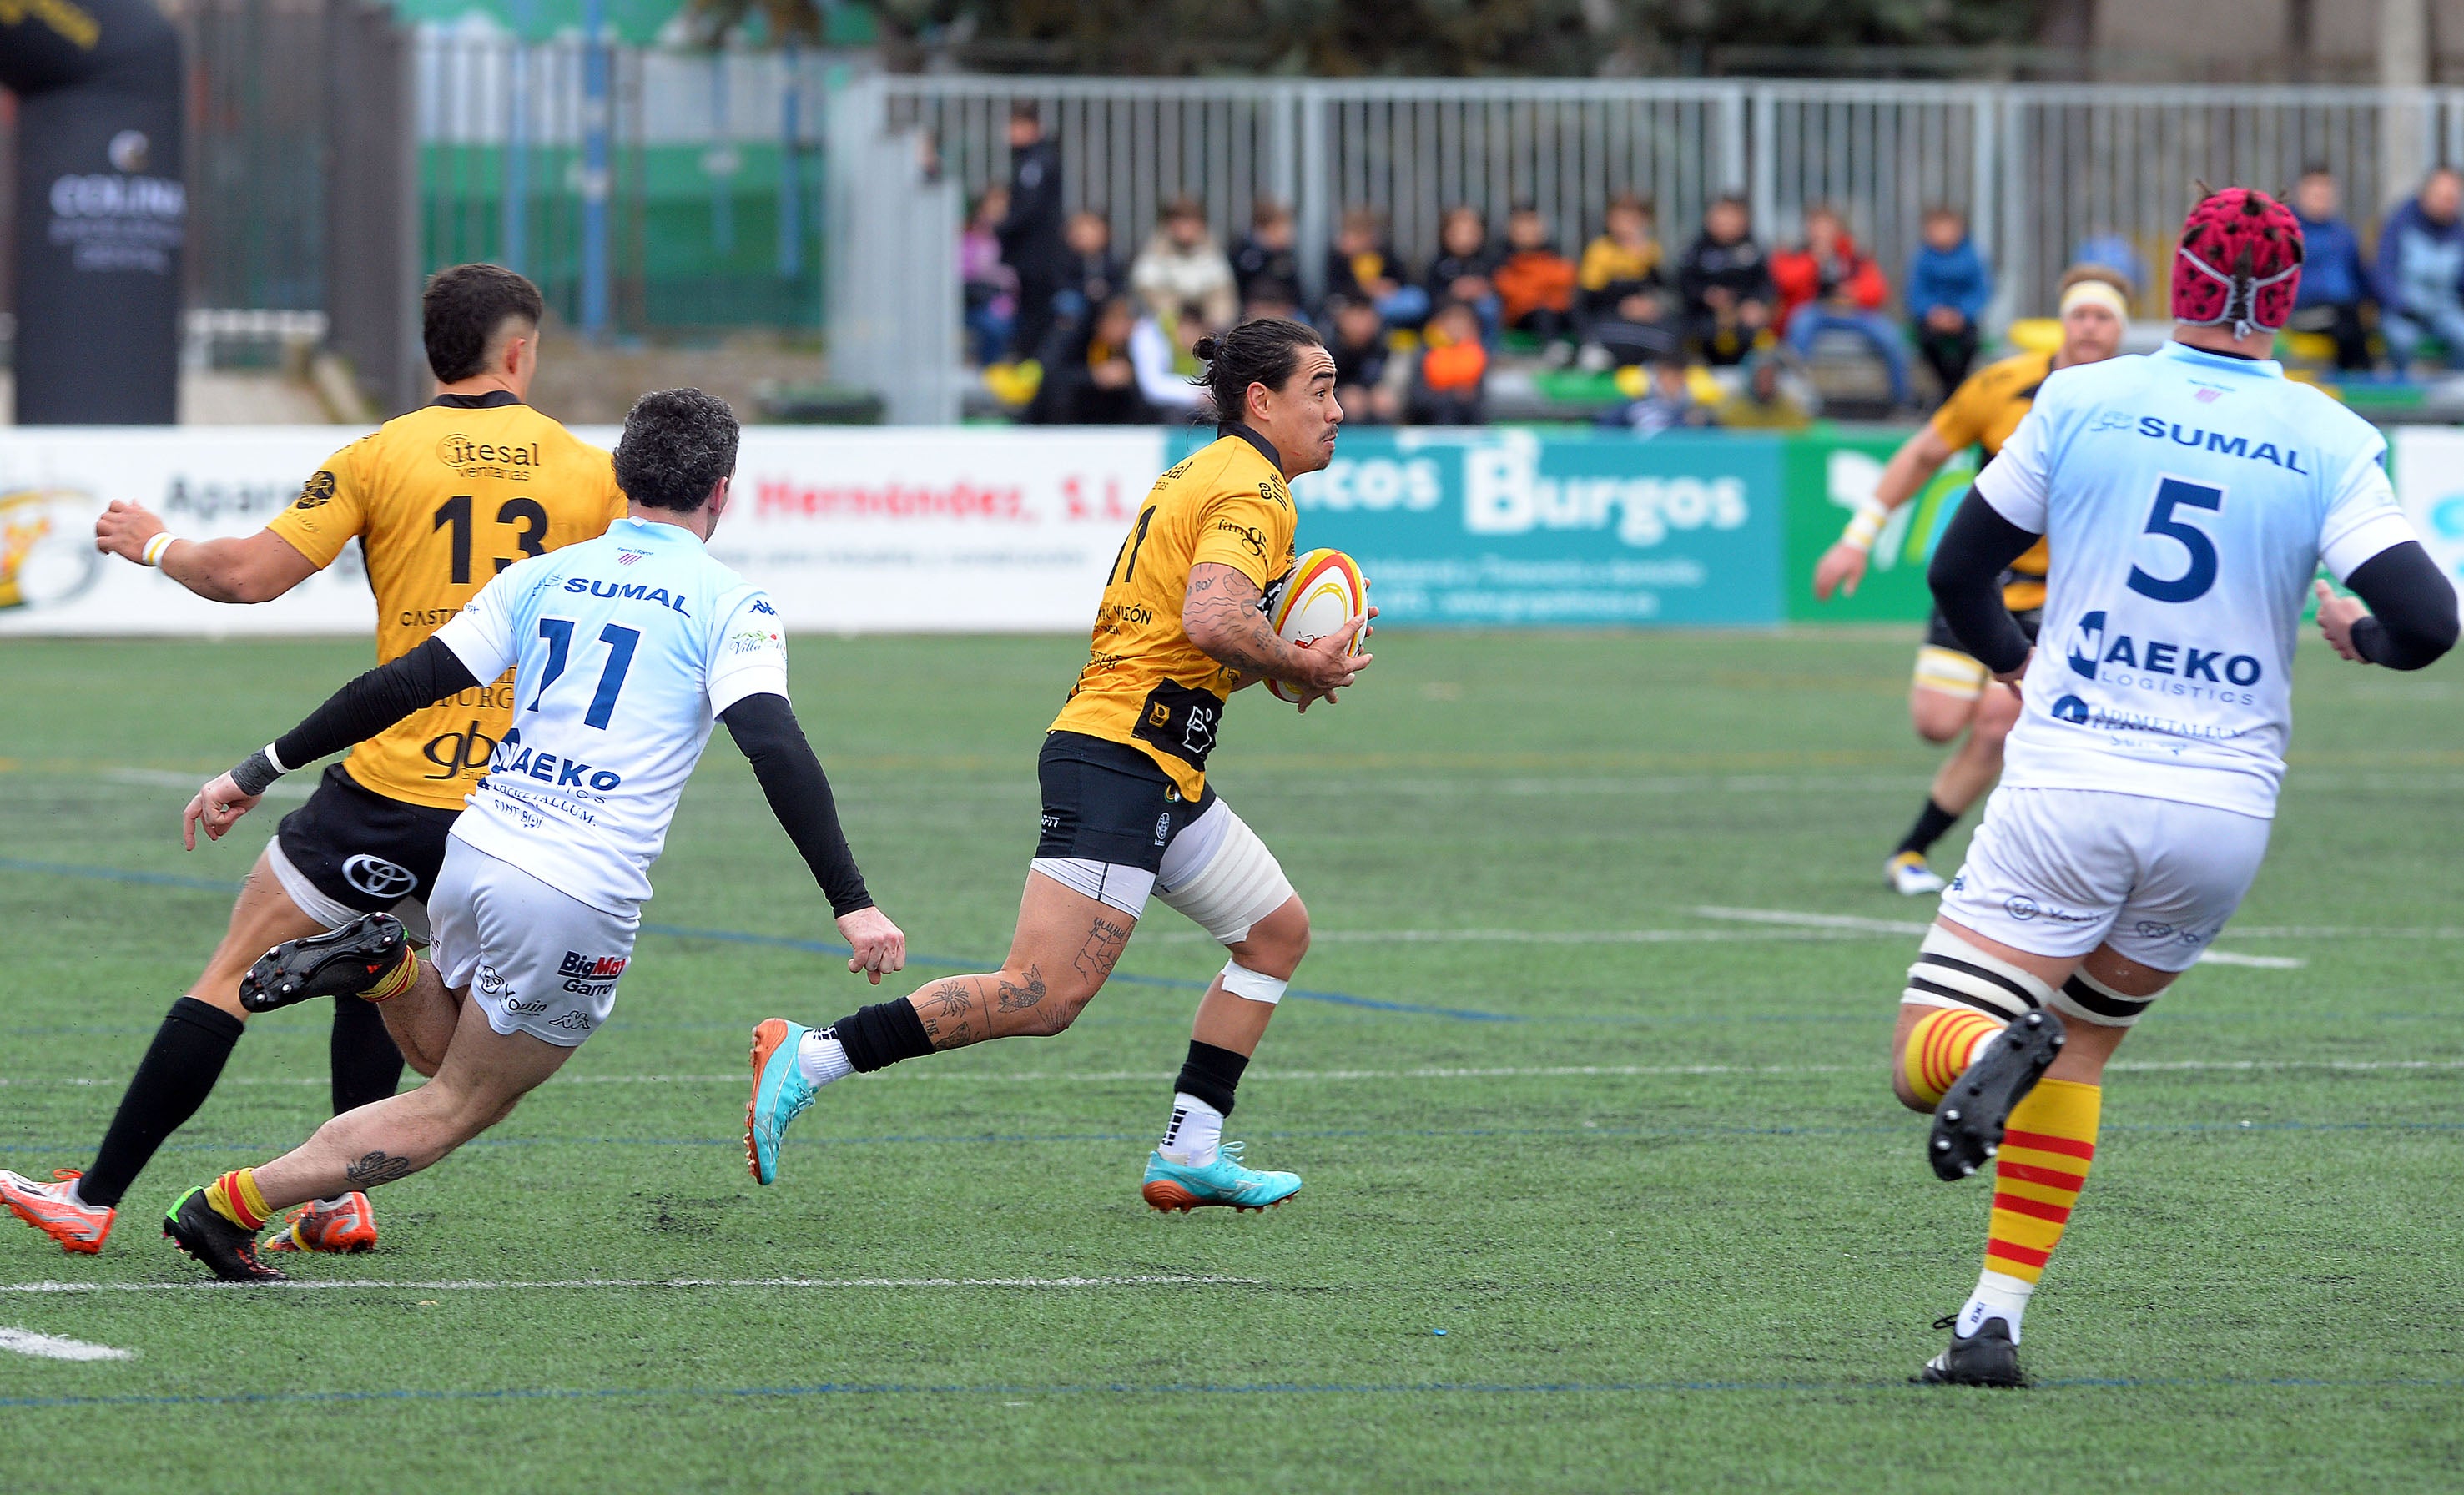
(1448, 388)
(1465, 268)
(1762, 401)
(1536, 284)
(2333, 282)
(1091, 381)
(1266, 265)
(1030, 231)
(1160, 352)
(1827, 286)
(1727, 283)
(1362, 267)
(989, 287)
(1668, 404)
(1363, 361)
(1624, 305)
(1947, 288)
(1183, 264)
(1090, 273)
(2421, 270)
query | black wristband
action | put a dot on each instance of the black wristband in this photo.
(255, 774)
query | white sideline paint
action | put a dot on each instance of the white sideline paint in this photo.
(1790, 918)
(49, 1346)
(369, 1283)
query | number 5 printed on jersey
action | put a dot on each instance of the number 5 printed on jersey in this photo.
(621, 643)
(2174, 493)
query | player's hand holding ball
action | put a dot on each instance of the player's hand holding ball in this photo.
(218, 807)
(1323, 611)
(880, 946)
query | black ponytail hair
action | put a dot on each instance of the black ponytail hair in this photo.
(1264, 350)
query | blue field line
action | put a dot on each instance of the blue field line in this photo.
(817, 947)
(1890, 1387)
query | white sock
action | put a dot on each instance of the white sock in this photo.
(823, 1058)
(1195, 1134)
(1997, 1295)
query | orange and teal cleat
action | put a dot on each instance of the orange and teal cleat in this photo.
(318, 1226)
(1171, 1185)
(52, 1209)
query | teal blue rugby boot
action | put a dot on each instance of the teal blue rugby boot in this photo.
(1183, 1187)
(781, 1093)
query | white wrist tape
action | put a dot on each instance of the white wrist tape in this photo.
(1864, 529)
(276, 758)
(1254, 985)
(154, 548)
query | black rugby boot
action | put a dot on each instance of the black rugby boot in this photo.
(226, 1250)
(341, 962)
(1968, 1124)
(1989, 1357)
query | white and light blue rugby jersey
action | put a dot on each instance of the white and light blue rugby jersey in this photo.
(624, 649)
(2189, 498)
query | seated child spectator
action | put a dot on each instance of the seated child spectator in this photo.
(1666, 404)
(1447, 388)
(1091, 379)
(1266, 265)
(1182, 263)
(1827, 286)
(1726, 280)
(1464, 267)
(1362, 267)
(1947, 288)
(988, 288)
(1536, 284)
(1762, 401)
(1362, 362)
(1090, 273)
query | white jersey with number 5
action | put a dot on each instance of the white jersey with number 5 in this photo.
(2190, 498)
(624, 649)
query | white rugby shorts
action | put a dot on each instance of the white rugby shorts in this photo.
(2059, 872)
(537, 961)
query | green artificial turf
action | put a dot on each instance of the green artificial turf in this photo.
(1646, 1177)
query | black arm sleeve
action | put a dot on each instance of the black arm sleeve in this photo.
(765, 727)
(375, 701)
(1967, 581)
(2412, 616)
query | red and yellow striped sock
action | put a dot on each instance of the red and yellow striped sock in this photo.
(396, 981)
(1940, 1045)
(2037, 1175)
(235, 1197)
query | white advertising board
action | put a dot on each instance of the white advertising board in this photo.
(850, 529)
(2430, 483)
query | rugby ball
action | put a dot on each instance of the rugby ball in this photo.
(1325, 591)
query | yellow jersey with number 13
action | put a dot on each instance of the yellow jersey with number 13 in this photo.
(440, 500)
(1145, 683)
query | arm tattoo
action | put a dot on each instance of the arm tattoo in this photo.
(1102, 950)
(1010, 997)
(1223, 603)
(376, 1168)
(944, 1011)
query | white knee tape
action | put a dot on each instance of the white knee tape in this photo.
(1254, 985)
(1233, 889)
(1951, 973)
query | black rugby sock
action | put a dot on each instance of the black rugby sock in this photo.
(1931, 827)
(367, 1066)
(173, 1079)
(881, 1035)
(1211, 1074)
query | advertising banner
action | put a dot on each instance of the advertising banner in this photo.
(1828, 474)
(1492, 528)
(2430, 483)
(937, 530)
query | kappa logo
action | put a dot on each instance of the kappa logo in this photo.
(766, 609)
(315, 492)
(378, 877)
(575, 1022)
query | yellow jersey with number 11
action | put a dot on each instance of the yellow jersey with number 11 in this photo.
(440, 500)
(1145, 683)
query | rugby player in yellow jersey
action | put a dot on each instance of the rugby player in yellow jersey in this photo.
(440, 500)
(1948, 696)
(1127, 807)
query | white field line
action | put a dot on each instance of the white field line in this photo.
(50, 1347)
(1433, 1072)
(1791, 918)
(307, 1285)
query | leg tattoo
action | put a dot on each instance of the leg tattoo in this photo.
(1102, 950)
(1010, 997)
(375, 1168)
(945, 1010)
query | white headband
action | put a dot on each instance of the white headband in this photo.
(2096, 293)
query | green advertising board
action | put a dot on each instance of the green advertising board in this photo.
(1827, 472)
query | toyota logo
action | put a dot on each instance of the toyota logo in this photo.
(378, 877)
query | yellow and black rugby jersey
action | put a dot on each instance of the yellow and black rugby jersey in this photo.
(442, 500)
(1984, 410)
(1145, 683)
